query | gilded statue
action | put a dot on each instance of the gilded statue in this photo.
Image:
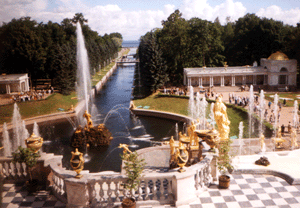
(88, 119)
(294, 142)
(125, 148)
(278, 140)
(172, 146)
(262, 141)
(221, 119)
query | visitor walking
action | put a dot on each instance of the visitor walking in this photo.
(269, 104)
(284, 102)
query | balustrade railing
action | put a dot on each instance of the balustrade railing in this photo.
(106, 191)
(12, 171)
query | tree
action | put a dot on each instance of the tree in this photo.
(172, 40)
(151, 62)
(79, 18)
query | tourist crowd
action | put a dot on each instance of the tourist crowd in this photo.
(32, 95)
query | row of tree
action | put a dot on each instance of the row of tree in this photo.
(48, 51)
(181, 43)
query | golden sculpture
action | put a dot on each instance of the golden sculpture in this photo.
(294, 142)
(91, 135)
(278, 140)
(211, 137)
(88, 119)
(221, 119)
(125, 148)
(182, 157)
(77, 162)
(262, 142)
(172, 148)
(34, 142)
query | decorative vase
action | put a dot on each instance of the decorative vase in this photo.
(129, 203)
(224, 181)
(77, 162)
(182, 157)
(34, 142)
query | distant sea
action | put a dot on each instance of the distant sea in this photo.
(130, 43)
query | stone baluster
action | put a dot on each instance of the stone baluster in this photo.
(12, 170)
(147, 190)
(101, 191)
(109, 191)
(154, 190)
(117, 191)
(18, 170)
(140, 193)
(23, 169)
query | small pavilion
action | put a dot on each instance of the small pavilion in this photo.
(14, 83)
(274, 73)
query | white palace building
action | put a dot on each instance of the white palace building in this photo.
(274, 73)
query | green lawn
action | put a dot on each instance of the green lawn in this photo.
(99, 75)
(30, 109)
(289, 103)
(180, 105)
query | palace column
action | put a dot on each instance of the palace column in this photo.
(222, 81)
(7, 89)
(254, 79)
(189, 81)
(211, 81)
(201, 80)
(233, 80)
(244, 80)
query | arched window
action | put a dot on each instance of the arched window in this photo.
(283, 69)
(265, 67)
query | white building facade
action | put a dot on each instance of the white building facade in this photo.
(14, 83)
(275, 72)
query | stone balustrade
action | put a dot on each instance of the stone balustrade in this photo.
(159, 185)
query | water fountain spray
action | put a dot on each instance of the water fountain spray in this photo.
(295, 116)
(275, 111)
(250, 112)
(241, 128)
(212, 115)
(83, 70)
(262, 109)
(6, 143)
(191, 102)
(36, 129)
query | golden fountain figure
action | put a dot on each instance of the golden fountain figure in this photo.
(221, 119)
(294, 142)
(88, 119)
(262, 142)
(278, 140)
(34, 142)
(77, 162)
(91, 135)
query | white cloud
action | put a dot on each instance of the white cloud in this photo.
(201, 9)
(133, 24)
(291, 16)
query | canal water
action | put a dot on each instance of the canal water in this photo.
(112, 108)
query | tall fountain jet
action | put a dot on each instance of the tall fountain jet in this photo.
(6, 143)
(83, 69)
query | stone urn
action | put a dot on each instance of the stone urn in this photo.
(77, 162)
(34, 142)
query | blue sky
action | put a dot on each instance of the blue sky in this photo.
(133, 18)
